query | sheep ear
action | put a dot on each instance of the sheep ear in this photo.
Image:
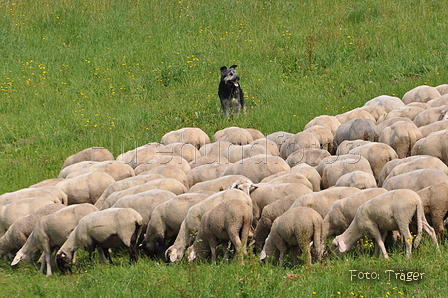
(263, 255)
(342, 246)
(17, 258)
(173, 255)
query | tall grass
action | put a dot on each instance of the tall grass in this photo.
(120, 74)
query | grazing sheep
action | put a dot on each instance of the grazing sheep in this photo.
(421, 93)
(116, 169)
(324, 135)
(75, 167)
(51, 192)
(258, 167)
(140, 155)
(206, 173)
(218, 184)
(401, 136)
(347, 145)
(19, 231)
(47, 182)
(436, 205)
(114, 227)
(89, 154)
(431, 115)
(297, 227)
(422, 163)
(310, 173)
(187, 151)
(333, 171)
(235, 153)
(288, 177)
(375, 111)
(408, 111)
(439, 101)
(435, 144)
(309, 156)
(323, 200)
(11, 212)
(328, 161)
(230, 220)
(52, 231)
(356, 129)
(85, 188)
(163, 160)
(114, 197)
(234, 135)
(299, 141)
(214, 148)
(416, 180)
(433, 127)
(343, 211)
(190, 135)
(393, 210)
(330, 122)
(388, 103)
(389, 122)
(271, 146)
(358, 179)
(267, 193)
(388, 167)
(170, 172)
(279, 138)
(355, 114)
(192, 220)
(166, 219)
(443, 89)
(208, 160)
(255, 133)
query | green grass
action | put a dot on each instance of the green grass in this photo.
(122, 73)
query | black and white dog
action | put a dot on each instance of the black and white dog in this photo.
(230, 92)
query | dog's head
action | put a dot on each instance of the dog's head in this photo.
(230, 76)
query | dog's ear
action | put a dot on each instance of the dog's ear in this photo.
(223, 68)
(233, 66)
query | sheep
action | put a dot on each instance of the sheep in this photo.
(375, 111)
(11, 212)
(356, 129)
(323, 200)
(163, 160)
(443, 89)
(214, 148)
(47, 182)
(234, 135)
(271, 146)
(436, 205)
(416, 180)
(190, 135)
(86, 188)
(269, 213)
(310, 173)
(166, 219)
(333, 171)
(330, 122)
(355, 114)
(421, 93)
(324, 135)
(279, 138)
(389, 122)
(255, 133)
(17, 234)
(288, 177)
(389, 211)
(401, 136)
(258, 167)
(267, 193)
(343, 211)
(347, 145)
(192, 220)
(387, 102)
(297, 227)
(424, 162)
(140, 155)
(299, 141)
(309, 156)
(230, 220)
(433, 127)
(435, 144)
(388, 167)
(407, 111)
(208, 160)
(170, 172)
(206, 172)
(52, 231)
(50, 192)
(439, 101)
(358, 179)
(187, 151)
(235, 153)
(116, 169)
(328, 161)
(218, 184)
(89, 154)
(114, 227)
(76, 167)
(430, 115)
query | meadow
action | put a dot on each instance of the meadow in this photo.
(120, 74)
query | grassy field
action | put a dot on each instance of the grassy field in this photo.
(120, 74)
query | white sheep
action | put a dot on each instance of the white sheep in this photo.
(436, 205)
(433, 127)
(192, 220)
(421, 162)
(76, 167)
(117, 169)
(421, 93)
(47, 182)
(401, 136)
(333, 171)
(439, 101)
(191, 135)
(163, 160)
(407, 111)
(50, 192)
(89, 154)
(140, 155)
(299, 141)
(324, 135)
(52, 231)
(218, 184)
(234, 135)
(309, 156)
(310, 173)
(330, 122)
(393, 210)
(387, 102)
(357, 113)
(110, 228)
(170, 172)
(166, 219)
(230, 220)
(435, 144)
(206, 172)
(431, 115)
(388, 167)
(416, 180)
(208, 160)
(356, 129)
(268, 144)
(235, 153)
(279, 138)
(389, 122)
(187, 151)
(214, 148)
(288, 177)
(297, 227)
(358, 179)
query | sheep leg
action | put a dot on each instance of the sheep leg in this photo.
(380, 242)
(295, 253)
(428, 229)
(407, 239)
(437, 222)
(133, 253)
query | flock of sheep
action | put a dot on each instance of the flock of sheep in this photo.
(372, 170)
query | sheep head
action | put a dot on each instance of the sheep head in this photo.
(244, 185)
(19, 256)
(338, 246)
(63, 260)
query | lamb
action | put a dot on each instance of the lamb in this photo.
(356, 129)
(89, 154)
(52, 231)
(19, 231)
(230, 220)
(389, 211)
(12, 212)
(297, 227)
(436, 205)
(166, 219)
(190, 135)
(343, 211)
(110, 228)
(50, 192)
(192, 220)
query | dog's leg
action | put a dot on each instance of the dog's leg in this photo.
(224, 109)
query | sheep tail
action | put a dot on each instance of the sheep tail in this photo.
(317, 240)
(420, 218)
(133, 245)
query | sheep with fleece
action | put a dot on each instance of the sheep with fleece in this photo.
(358, 179)
(324, 136)
(115, 196)
(208, 160)
(431, 115)
(333, 171)
(299, 141)
(214, 148)
(89, 154)
(387, 102)
(310, 173)
(255, 133)
(268, 144)
(192, 220)
(166, 219)
(140, 155)
(219, 184)
(347, 145)
(206, 172)
(11, 212)
(234, 135)
(357, 113)
(19, 231)
(49, 192)
(296, 228)
(279, 137)
(421, 163)
(443, 89)
(170, 172)
(267, 193)
(433, 127)
(393, 210)
(111, 228)
(436, 205)
(190, 135)
(116, 169)
(416, 180)
(52, 231)
(407, 111)
(47, 182)
(342, 212)
(389, 122)
(330, 122)
(229, 221)
(288, 177)
(309, 156)
(356, 129)
(421, 93)
(76, 167)
(187, 151)
(401, 136)
(257, 167)
(435, 144)
(163, 160)
(323, 200)
(86, 188)
(235, 153)
(439, 101)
